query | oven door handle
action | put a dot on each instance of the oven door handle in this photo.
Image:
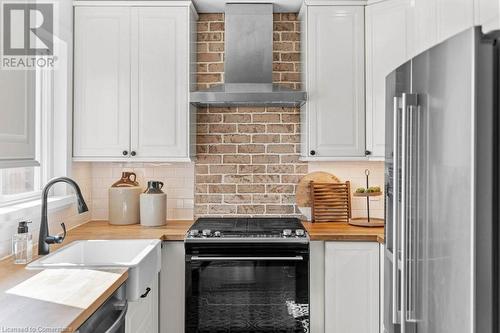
(198, 258)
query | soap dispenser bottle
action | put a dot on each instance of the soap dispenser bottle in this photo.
(22, 244)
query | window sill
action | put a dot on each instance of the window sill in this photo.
(32, 207)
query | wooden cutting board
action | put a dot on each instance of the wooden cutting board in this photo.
(71, 287)
(303, 195)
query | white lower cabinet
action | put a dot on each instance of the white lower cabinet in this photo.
(351, 287)
(172, 287)
(142, 315)
(381, 293)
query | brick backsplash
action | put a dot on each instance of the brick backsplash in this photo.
(247, 157)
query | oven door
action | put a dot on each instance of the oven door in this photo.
(247, 293)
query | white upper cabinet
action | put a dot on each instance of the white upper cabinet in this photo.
(333, 118)
(487, 14)
(396, 31)
(132, 82)
(17, 114)
(421, 26)
(453, 16)
(386, 49)
(160, 112)
(102, 81)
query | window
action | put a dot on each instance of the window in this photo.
(25, 183)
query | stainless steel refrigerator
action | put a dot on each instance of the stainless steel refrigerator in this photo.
(442, 147)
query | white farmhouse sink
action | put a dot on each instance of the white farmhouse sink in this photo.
(141, 256)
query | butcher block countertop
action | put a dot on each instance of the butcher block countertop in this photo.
(176, 230)
(24, 303)
(57, 300)
(172, 231)
(340, 231)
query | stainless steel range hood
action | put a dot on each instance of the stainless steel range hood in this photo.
(248, 62)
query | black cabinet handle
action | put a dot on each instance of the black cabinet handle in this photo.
(146, 293)
(312, 152)
(367, 152)
(133, 153)
(125, 153)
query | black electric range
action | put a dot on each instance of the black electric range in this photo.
(269, 229)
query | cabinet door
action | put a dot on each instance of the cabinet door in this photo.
(386, 49)
(160, 87)
(172, 287)
(422, 26)
(102, 81)
(381, 286)
(142, 315)
(17, 114)
(487, 14)
(351, 287)
(453, 16)
(335, 76)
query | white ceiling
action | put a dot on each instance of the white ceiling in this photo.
(217, 6)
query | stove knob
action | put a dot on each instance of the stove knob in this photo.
(217, 234)
(299, 232)
(287, 232)
(194, 233)
(206, 232)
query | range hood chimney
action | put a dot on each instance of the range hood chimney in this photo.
(248, 62)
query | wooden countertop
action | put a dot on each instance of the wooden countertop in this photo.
(172, 231)
(35, 311)
(24, 311)
(29, 312)
(343, 231)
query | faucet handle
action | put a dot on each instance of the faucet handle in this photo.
(63, 226)
(57, 239)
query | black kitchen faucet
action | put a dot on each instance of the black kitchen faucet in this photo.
(44, 239)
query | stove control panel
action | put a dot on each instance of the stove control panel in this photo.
(285, 233)
(288, 233)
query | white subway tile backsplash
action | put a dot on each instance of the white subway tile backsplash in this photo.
(355, 173)
(177, 177)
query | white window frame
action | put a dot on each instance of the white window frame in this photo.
(44, 139)
(52, 132)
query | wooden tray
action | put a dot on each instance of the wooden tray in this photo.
(331, 202)
(303, 195)
(370, 194)
(363, 222)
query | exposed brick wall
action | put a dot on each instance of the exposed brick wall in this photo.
(248, 156)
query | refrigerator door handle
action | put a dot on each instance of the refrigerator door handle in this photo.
(408, 101)
(396, 291)
(402, 210)
(414, 130)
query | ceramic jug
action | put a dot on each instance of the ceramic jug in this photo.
(124, 200)
(153, 205)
